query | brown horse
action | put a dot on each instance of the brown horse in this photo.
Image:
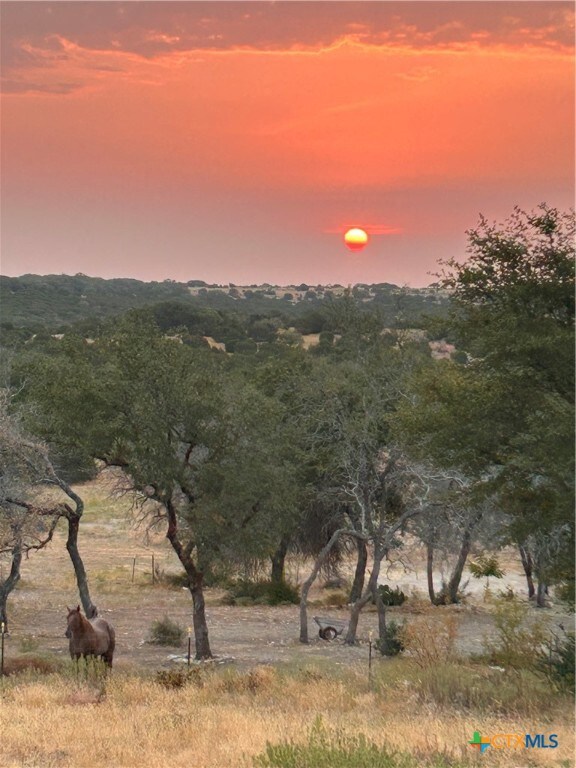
(94, 637)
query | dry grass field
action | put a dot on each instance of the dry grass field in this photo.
(263, 687)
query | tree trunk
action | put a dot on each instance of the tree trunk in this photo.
(430, 572)
(456, 577)
(278, 561)
(195, 585)
(369, 594)
(360, 574)
(74, 516)
(528, 566)
(199, 623)
(355, 612)
(450, 594)
(382, 633)
(9, 584)
(541, 593)
(81, 579)
(318, 563)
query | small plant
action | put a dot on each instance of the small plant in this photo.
(28, 644)
(430, 641)
(166, 632)
(177, 580)
(257, 679)
(484, 567)
(32, 663)
(327, 749)
(557, 662)
(565, 592)
(333, 599)
(391, 596)
(507, 594)
(392, 644)
(178, 678)
(517, 644)
(481, 689)
(244, 592)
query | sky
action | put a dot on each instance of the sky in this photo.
(237, 141)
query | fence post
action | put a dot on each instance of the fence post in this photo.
(370, 658)
(2, 631)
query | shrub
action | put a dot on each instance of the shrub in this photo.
(516, 644)
(392, 644)
(166, 632)
(334, 599)
(244, 592)
(565, 592)
(558, 663)
(281, 592)
(325, 749)
(178, 678)
(483, 689)
(430, 641)
(177, 580)
(28, 643)
(32, 663)
(256, 680)
(391, 596)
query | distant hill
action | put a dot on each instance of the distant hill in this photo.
(54, 302)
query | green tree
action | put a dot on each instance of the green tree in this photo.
(200, 447)
(355, 469)
(506, 417)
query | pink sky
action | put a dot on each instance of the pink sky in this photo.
(236, 141)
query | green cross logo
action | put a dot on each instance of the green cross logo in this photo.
(477, 741)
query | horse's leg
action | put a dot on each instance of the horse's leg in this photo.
(108, 655)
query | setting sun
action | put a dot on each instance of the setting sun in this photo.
(355, 239)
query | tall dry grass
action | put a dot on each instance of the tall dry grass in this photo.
(224, 718)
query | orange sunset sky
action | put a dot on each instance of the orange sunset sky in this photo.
(236, 141)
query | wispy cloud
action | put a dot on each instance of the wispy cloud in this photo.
(33, 32)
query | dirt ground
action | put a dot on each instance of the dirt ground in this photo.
(244, 636)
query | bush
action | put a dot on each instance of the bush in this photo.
(176, 580)
(32, 663)
(430, 641)
(392, 644)
(255, 681)
(516, 644)
(166, 632)
(391, 596)
(178, 678)
(558, 662)
(566, 592)
(483, 689)
(337, 750)
(244, 592)
(281, 592)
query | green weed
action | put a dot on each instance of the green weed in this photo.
(166, 632)
(333, 749)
